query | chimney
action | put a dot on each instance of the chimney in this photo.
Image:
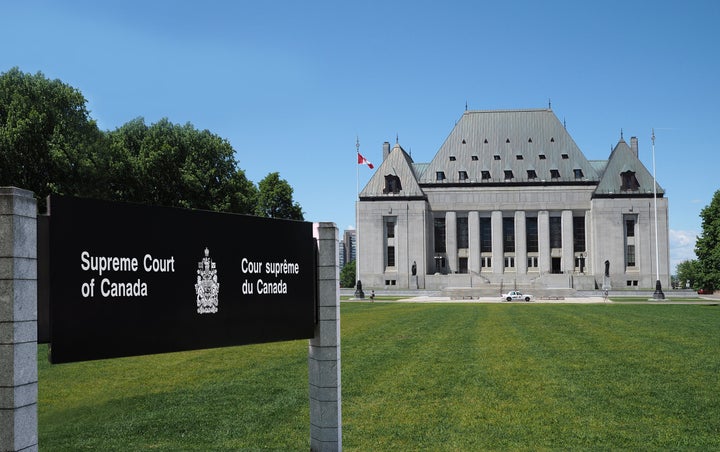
(634, 145)
(386, 150)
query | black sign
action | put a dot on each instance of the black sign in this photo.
(129, 279)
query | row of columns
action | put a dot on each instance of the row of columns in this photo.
(520, 254)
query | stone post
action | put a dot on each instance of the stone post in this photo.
(324, 353)
(18, 320)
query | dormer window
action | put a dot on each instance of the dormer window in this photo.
(462, 175)
(565, 156)
(509, 175)
(440, 176)
(452, 158)
(474, 158)
(485, 174)
(542, 157)
(392, 184)
(629, 181)
(519, 157)
(531, 174)
(496, 157)
(578, 173)
(554, 174)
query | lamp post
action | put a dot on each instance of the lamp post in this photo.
(658, 294)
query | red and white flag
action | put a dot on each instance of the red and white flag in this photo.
(363, 161)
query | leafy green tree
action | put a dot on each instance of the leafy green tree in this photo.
(179, 166)
(688, 270)
(707, 247)
(48, 143)
(275, 199)
(347, 275)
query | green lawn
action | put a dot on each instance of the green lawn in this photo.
(418, 376)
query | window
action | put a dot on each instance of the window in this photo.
(390, 256)
(392, 184)
(579, 234)
(474, 158)
(630, 227)
(509, 262)
(542, 156)
(507, 140)
(632, 283)
(389, 282)
(496, 157)
(630, 255)
(452, 158)
(529, 140)
(519, 157)
(508, 235)
(485, 174)
(564, 156)
(485, 141)
(390, 228)
(531, 231)
(462, 232)
(486, 262)
(555, 232)
(531, 174)
(552, 140)
(485, 235)
(629, 181)
(508, 174)
(439, 224)
(554, 174)
(532, 262)
(578, 173)
(440, 175)
(462, 175)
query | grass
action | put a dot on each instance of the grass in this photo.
(418, 376)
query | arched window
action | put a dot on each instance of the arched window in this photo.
(392, 184)
(629, 181)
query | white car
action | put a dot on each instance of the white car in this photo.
(516, 295)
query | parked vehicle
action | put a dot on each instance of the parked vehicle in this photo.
(704, 292)
(516, 295)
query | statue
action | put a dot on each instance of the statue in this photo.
(414, 269)
(358, 291)
(607, 269)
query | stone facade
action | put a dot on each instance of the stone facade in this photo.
(510, 200)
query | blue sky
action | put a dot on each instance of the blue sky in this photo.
(292, 84)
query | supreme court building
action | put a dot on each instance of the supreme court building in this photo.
(510, 200)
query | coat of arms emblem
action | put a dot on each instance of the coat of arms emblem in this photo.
(207, 286)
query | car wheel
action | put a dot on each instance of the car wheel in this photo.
(509, 298)
(527, 298)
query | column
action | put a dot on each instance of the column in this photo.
(520, 243)
(544, 241)
(18, 320)
(474, 242)
(498, 255)
(451, 241)
(324, 348)
(568, 247)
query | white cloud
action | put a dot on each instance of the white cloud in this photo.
(682, 247)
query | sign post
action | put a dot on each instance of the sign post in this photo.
(18, 320)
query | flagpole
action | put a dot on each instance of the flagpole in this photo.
(658, 294)
(357, 208)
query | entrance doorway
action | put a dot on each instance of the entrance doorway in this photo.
(556, 267)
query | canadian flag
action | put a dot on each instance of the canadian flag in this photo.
(363, 161)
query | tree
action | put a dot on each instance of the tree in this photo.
(48, 143)
(688, 270)
(347, 275)
(178, 166)
(275, 199)
(707, 246)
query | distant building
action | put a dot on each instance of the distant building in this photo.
(348, 246)
(509, 199)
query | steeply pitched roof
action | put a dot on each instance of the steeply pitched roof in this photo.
(509, 140)
(398, 163)
(623, 159)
